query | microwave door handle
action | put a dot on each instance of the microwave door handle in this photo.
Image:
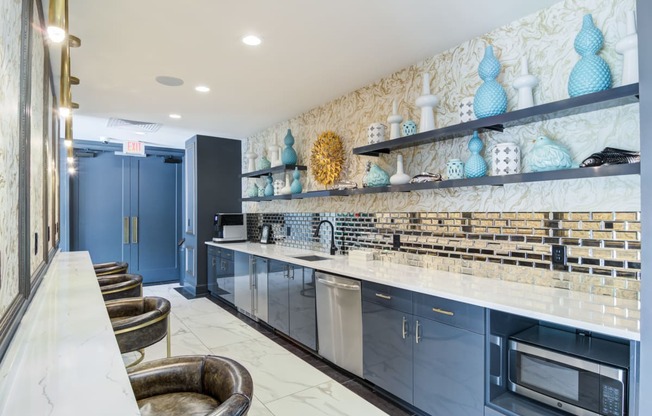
(498, 341)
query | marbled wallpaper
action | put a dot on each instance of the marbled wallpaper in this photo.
(546, 38)
(10, 14)
(38, 133)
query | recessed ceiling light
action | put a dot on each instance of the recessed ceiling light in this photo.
(176, 116)
(251, 40)
(202, 88)
(140, 133)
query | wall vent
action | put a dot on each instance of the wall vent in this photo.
(132, 125)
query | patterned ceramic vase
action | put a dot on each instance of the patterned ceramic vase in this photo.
(252, 190)
(289, 155)
(263, 163)
(261, 191)
(455, 169)
(505, 159)
(296, 187)
(466, 110)
(375, 176)
(408, 128)
(475, 166)
(278, 186)
(376, 133)
(591, 73)
(490, 99)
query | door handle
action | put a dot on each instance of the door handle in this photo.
(125, 230)
(404, 328)
(417, 337)
(386, 297)
(134, 230)
(443, 312)
(338, 285)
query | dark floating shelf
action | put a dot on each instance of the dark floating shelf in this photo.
(275, 169)
(613, 97)
(554, 175)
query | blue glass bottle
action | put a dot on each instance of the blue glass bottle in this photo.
(475, 166)
(591, 73)
(490, 99)
(269, 189)
(296, 187)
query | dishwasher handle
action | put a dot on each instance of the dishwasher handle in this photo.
(338, 285)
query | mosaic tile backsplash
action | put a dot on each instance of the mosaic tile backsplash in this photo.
(603, 248)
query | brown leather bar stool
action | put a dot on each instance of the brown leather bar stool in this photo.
(118, 286)
(105, 269)
(192, 385)
(139, 323)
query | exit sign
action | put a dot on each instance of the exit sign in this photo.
(133, 148)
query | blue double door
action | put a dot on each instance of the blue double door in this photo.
(128, 209)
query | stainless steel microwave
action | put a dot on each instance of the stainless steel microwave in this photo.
(581, 375)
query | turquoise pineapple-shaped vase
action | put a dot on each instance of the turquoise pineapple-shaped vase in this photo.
(269, 189)
(375, 176)
(264, 163)
(490, 99)
(591, 73)
(296, 187)
(475, 166)
(289, 156)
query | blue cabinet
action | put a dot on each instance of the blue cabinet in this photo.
(425, 350)
(291, 301)
(220, 273)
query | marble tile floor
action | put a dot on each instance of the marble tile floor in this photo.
(288, 380)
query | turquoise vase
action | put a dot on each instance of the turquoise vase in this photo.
(591, 73)
(375, 176)
(264, 163)
(289, 156)
(490, 99)
(252, 191)
(269, 189)
(296, 187)
(475, 166)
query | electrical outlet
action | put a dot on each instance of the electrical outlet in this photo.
(396, 241)
(559, 255)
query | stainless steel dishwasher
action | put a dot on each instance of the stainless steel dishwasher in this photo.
(339, 321)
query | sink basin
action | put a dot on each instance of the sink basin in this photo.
(310, 257)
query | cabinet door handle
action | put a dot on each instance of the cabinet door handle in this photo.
(134, 230)
(125, 230)
(443, 312)
(386, 297)
(417, 337)
(404, 328)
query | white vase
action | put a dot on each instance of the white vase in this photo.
(628, 48)
(278, 185)
(274, 152)
(466, 110)
(400, 177)
(427, 102)
(251, 159)
(524, 84)
(287, 189)
(394, 122)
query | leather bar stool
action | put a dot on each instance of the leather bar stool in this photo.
(139, 323)
(118, 286)
(192, 385)
(105, 269)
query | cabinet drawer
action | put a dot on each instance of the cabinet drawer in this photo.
(213, 251)
(227, 254)
(461, 315)
(390, 297)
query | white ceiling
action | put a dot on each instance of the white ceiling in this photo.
(312, 52)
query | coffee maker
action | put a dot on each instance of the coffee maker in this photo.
(229, 228)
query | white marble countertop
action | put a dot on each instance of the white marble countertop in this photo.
(64, 359)
(602, 314)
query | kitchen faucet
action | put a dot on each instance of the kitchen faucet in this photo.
(333, 248)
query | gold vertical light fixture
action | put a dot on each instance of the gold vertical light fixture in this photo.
(57, 21)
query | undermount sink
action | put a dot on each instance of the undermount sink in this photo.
(310, 257)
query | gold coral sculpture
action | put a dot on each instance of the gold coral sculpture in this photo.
(327, 158)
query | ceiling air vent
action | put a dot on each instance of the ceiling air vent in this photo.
(131, 125)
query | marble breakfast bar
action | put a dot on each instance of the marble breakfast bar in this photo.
(601, 314)
(64, 358)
